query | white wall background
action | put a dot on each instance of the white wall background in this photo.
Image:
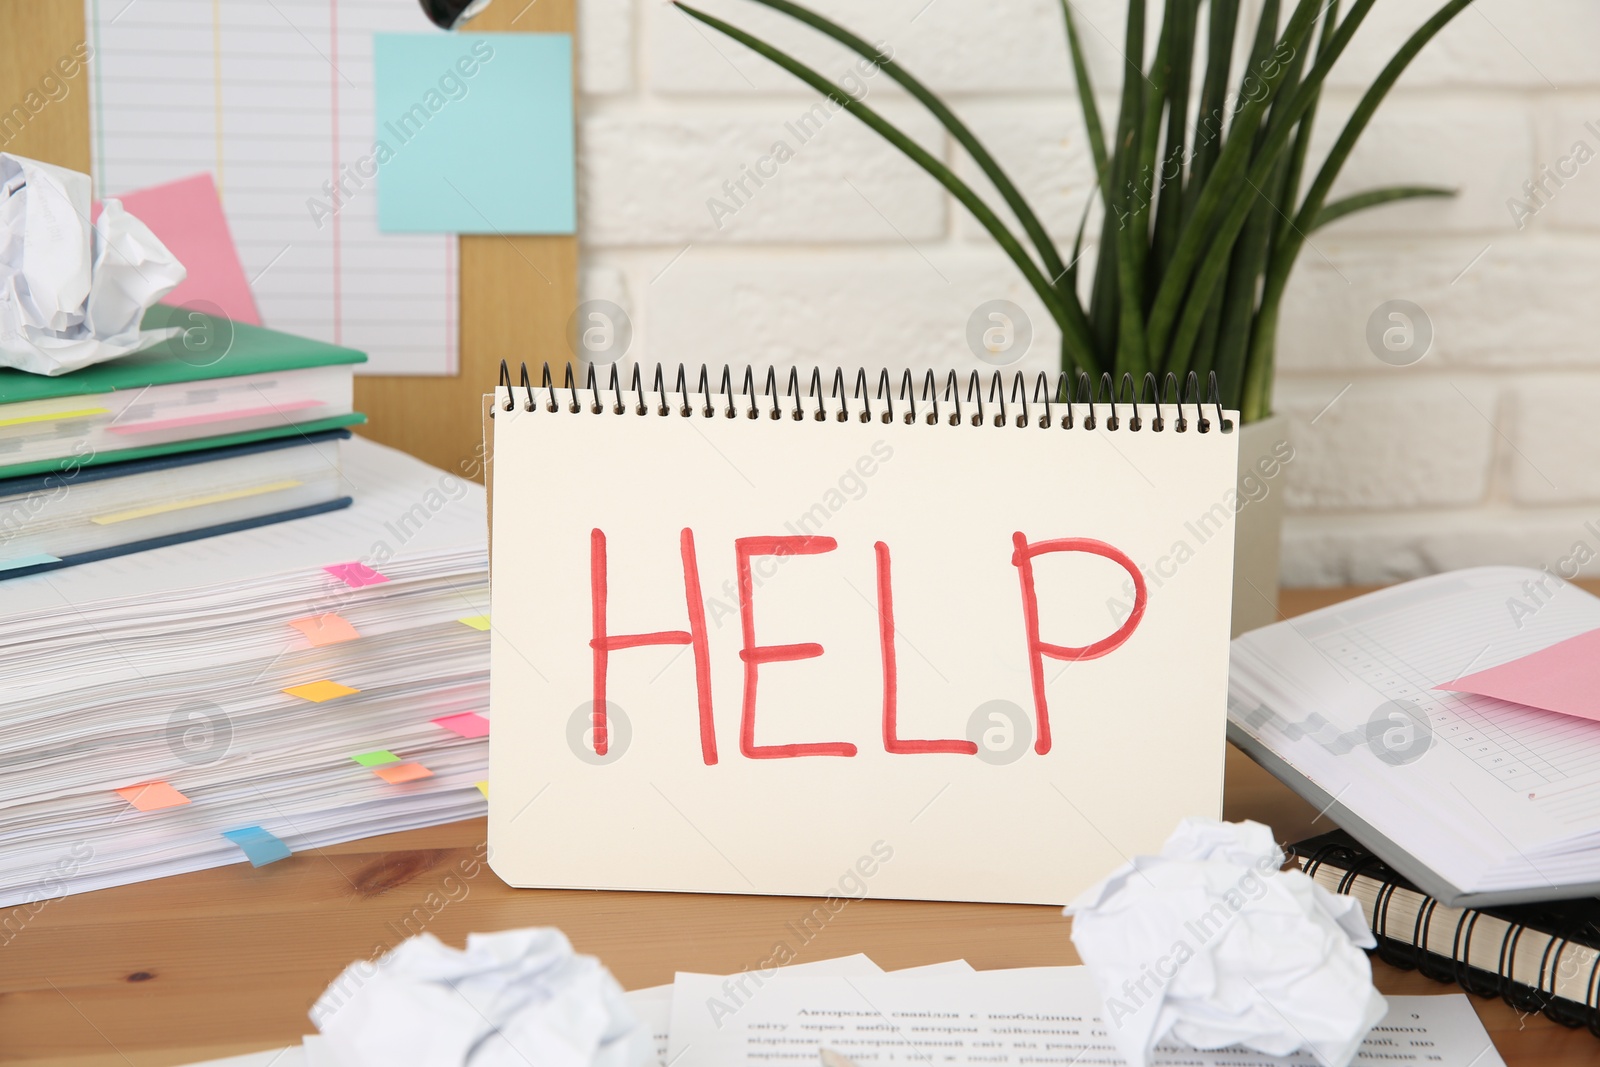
(1488, 450)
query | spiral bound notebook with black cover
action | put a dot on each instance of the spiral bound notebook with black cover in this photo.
(1539, 957)
(844, 635)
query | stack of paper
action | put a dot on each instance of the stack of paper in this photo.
(253, 694)
(946, 1013)
(1364, 709)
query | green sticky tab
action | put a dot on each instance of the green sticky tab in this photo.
(376, 759)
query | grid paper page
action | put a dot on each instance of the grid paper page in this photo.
(275, 98)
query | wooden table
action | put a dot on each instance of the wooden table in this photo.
(229, 960)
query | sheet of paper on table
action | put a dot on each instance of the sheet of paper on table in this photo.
(1043, 1014)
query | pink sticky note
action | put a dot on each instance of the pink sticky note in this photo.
(1563, 678)
(355, 575)
(467, 724)
(187, 216)
(152, 796)
(329, 629)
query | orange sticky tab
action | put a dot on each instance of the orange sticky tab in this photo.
(396, 773)
(329, 629)
(152, 796)
(320, 691)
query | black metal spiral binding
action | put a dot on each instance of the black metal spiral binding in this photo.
(863, 403)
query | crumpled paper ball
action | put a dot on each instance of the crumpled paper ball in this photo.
(73, 293)
(508, 1000)
(1211, 944)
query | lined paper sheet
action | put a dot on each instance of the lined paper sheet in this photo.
(275, 99)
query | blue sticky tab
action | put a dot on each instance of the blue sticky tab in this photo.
(473, 134)
(260, 847)
(38, 559)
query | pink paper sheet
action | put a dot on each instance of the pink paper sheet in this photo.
(1564, 678)
(187, 216)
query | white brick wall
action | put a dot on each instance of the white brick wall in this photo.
(847, 254)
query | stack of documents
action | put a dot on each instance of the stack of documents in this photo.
(946, 1013)
(1363, 709)
(198, 436)
(250, 695)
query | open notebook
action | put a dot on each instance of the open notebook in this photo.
(1475, 800)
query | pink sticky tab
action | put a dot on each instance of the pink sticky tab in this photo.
(329, 629)
(1563, 678)
(187, 216)
(152, 796)
(467, 724)
(355, 575)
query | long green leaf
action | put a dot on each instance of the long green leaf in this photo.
(1234, 214)
(1250, 249)
(1221, 199)
(1222, 27)
(1349, 205)
(1091, 110)
(1042, 286)
(947, 118)
(1258, 375)
(1129, 199)
(1183, 16)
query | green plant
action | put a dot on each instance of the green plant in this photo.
(1203, 219)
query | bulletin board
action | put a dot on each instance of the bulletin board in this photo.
(516, 291)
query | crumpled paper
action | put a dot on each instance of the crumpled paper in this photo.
(1210, 944)
(508, 1000)
(72, 293)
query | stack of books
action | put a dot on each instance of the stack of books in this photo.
(223, 427)
(1471, 823)
(193, 680)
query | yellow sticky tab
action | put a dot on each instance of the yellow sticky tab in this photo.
(477, 622)
(192, 502)
(483, 787)
(53, 416)
(317, 692)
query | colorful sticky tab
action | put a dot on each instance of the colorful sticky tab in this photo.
(467, 724)
(355, 575)
(37, 559)
(152, 796)
(317, 692)
(396, 773)
(483, 787)
(477, 622)
(376, 759)
(329, 629)
(260, 847)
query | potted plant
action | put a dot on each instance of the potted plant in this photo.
(1204, 216)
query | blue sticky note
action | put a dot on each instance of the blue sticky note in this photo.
(473, 133)
(260, 847)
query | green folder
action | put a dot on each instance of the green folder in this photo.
(210, 348)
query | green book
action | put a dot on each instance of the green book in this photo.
(217, 383)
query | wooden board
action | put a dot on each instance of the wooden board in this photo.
(230, 960)
(517, 292)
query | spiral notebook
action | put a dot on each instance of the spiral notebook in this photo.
(958, 641)
(1537, 957)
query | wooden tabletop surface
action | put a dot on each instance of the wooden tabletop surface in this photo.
(230, 960)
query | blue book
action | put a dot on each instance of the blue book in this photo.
(77, 513)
